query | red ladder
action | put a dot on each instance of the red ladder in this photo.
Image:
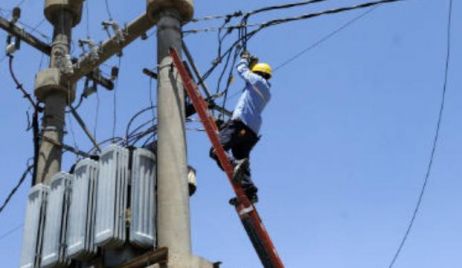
(247, 212)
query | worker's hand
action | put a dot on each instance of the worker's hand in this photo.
(245, 55)
(252, 61)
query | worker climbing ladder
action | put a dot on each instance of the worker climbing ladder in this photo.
(246, 210)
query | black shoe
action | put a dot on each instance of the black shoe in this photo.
(240, 169)
(233, 201)
(251, 193)
(253, 199)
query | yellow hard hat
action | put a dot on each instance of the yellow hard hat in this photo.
(264, 68)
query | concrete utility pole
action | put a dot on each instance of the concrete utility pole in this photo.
(173, 221)
(55, 87)
(52, 87)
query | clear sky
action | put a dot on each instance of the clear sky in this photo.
(346, 137)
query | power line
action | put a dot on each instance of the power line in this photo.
(132, 119)
(17, 5)
(19, 86)
(87, 18)
(215, 17)
(4, 12)
(256, 11)
(13, 191)
(275, 22)
(108, 10)
(34, 29)
(284, 6)
(323, 39)
(244, 36)
(317, 14)
(435, 142)
(20, 3)
(319, 42)
(6, 234)
(262, 25)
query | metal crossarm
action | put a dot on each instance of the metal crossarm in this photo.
(246, 210)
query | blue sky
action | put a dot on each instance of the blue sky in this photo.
(346, 137)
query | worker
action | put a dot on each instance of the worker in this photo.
(240, 134)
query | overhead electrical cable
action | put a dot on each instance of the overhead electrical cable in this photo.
(434, 145)
(289, 19)
(84, 127)
(256, 11)
(19, 86)
(87, 18)
(132, 119)
(20, 3)
(108, 9)
(11, 231)
(35, 119)
(283, 6)
(275, 22)
(4, 12)
(111, 140)
(34, 29)
(18, 184)
(217, 17)
(244, 35)
(323, 39)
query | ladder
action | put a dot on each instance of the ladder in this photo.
(247, 212)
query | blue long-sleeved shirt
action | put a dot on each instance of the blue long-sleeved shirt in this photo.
(254, 98)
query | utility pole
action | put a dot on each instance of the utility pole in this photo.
(52, 86)
(55, 87)
(173, 220)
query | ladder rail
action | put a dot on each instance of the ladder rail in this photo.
(246, 210)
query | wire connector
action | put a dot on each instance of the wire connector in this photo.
(93, 48)
(118, 32)
(11, 45)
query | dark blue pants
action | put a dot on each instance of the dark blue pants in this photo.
(236, 137)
